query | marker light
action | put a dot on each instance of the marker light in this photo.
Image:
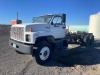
(30, 29)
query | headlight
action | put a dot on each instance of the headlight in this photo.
(28, 37)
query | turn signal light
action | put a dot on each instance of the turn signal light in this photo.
(30, 29)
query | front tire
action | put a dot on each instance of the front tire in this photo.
(43, 52)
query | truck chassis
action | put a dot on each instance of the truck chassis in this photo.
(83, 38)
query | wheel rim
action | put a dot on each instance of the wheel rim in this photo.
(44, 53)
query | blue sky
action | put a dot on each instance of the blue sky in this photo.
(77, 11)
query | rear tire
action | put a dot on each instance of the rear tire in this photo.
(43, 53)
(86, 40)
(82, 36)
(91, 39)
(82, 40)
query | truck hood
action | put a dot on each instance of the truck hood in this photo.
(34, 26)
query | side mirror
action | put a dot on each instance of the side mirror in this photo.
(63, 18)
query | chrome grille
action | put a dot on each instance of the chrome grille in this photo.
(17, 33)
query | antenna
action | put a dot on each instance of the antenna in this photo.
(17, 15)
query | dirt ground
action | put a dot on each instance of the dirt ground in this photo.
(75, 60)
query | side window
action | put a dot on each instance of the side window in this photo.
(57, 20)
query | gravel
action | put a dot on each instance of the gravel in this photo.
(75, 60)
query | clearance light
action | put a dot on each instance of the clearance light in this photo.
(30, 29)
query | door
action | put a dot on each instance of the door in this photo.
(57, 28)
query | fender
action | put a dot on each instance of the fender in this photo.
(48, 38)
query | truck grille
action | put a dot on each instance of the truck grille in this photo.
(17, 33)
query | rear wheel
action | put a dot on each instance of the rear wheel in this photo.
(43, 52)
(82, 36)
(82, 40)
(86, 40)
(91, 39)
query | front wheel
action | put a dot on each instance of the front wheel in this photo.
(43, 52)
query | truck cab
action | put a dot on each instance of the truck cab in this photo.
(43, 35)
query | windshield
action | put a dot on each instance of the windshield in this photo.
(45, 19)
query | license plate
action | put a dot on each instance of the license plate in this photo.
(14, 45)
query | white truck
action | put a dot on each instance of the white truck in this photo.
(45, 34)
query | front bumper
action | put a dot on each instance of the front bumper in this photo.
(20, 47)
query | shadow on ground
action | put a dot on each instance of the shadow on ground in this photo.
(77, 56)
